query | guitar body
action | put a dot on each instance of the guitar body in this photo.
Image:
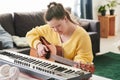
(33, 52)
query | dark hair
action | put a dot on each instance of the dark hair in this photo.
(56, 10)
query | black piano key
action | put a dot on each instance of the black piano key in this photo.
(45, 64)
(60, 69)
(36, 62)
(69, 70)
(52, 66)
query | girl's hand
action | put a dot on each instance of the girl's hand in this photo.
(86, 67)
(41, 50)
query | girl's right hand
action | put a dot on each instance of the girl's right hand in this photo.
(41, 50)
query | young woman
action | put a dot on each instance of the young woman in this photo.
(62, 31)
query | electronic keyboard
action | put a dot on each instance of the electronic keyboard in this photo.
(42, 68)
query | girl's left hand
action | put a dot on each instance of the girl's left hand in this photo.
(86, 67)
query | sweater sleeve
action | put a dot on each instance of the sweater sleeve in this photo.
(34, 35)
(84, 50)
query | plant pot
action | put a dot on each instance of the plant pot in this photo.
(112, 12)
(103, 13)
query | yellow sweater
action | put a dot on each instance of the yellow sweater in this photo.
(77, 48)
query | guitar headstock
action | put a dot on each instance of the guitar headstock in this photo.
(88, 67)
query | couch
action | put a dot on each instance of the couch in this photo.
(19, 23)
(93, 29)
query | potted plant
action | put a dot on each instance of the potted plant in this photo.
(111, 5)
(102, 10)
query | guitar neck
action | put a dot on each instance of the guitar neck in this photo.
(62, 60)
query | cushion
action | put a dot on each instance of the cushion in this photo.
(75, 18)
(5, 38)
(0, 45)
(85, 25)
(20, 42)
(25, 21)
(6, 21)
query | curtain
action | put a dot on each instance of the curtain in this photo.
(86, 9)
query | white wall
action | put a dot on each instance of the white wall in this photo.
(117, 12)
(96, 4)
(10, 6)
(29, 5)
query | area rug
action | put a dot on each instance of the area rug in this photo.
(108, 65)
